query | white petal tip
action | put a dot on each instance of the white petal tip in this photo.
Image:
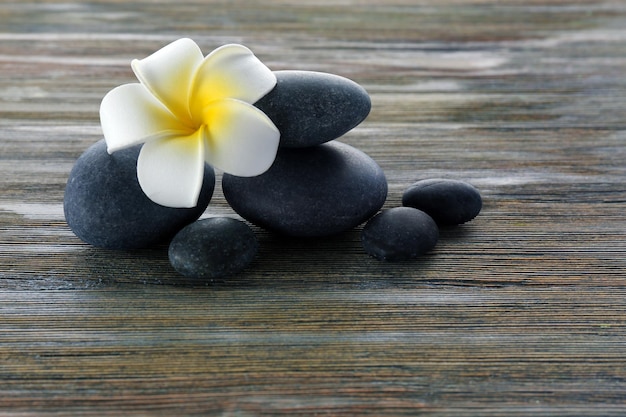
(171, 171)
(167, 202)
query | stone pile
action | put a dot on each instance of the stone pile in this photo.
(317, 186)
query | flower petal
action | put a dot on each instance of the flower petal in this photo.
(231, 71)
(170, 170)
(241, 139)
(129, 115)
(168, 74)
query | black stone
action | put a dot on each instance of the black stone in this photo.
(213, 248)
(310, 108)
(399, 234)
(105, 206)
(448, 202)
(317, 191)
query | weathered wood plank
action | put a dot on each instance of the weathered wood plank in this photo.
(520, 312)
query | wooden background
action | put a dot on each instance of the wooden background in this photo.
(520, 312)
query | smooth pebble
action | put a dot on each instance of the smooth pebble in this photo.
(310, 108)
(309, 192)
(105, 206)
(212, 248)
(399, 234)
(448, 202)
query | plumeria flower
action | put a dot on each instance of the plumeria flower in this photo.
(188, 109)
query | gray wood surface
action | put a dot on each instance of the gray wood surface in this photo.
(520, 312)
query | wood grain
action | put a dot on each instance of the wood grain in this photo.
(519, 312)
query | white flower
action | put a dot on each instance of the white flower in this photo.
(188, 109)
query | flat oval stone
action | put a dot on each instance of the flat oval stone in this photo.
(213, 248)
(310, 108)
(399, 234)
(448, 202)
(317, 191)
(105, 206)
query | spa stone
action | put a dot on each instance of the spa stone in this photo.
(310, 192)
(310, 108)
(105, 206)
(399, 234)
(212, 248)
(448, 202)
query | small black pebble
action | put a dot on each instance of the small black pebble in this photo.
(448, 202)
(213, 248)
(399, 234)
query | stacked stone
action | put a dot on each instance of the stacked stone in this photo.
(317, 185)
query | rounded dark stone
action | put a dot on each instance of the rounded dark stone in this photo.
(213, 248)
(399, 234)
(448, 202)
(317, 191)
(105, 206)
(310, 108)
